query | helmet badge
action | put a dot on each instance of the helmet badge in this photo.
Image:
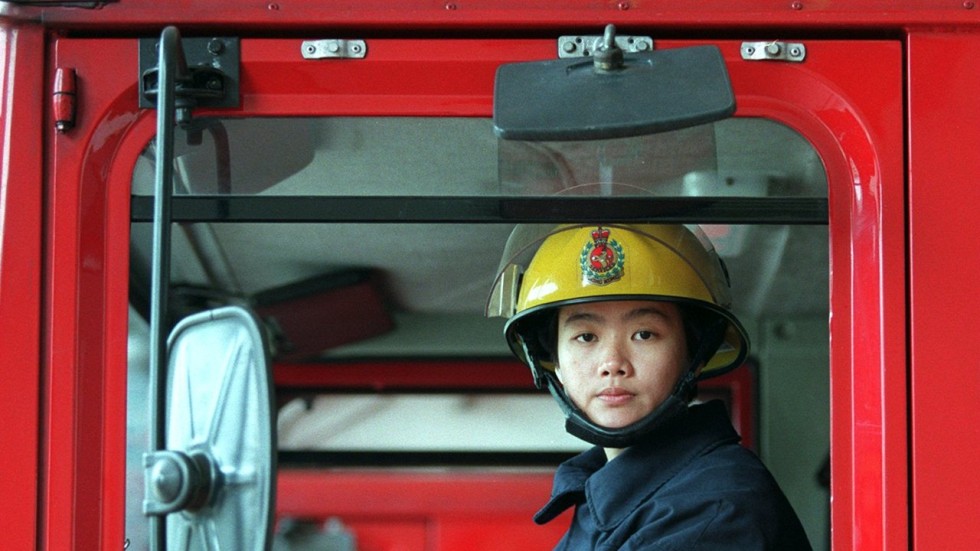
(602, 258)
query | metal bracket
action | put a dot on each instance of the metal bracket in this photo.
(334, 48)
(585, 46)
(211, 78)
(773, 51)
(176, 481)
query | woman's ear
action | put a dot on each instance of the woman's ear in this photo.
(558, 374)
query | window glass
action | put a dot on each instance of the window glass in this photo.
(425, 156)
(331, 291)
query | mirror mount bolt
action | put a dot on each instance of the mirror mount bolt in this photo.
(609, 57)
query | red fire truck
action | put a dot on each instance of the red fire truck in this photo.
(246, 249)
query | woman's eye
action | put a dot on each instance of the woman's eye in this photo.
(643, 335)
(585, 337)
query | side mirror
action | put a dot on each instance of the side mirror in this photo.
(217, 473)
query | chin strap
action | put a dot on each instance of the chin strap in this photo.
(579, 425)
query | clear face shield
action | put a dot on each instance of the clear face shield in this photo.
(655, 164)
(670, 164)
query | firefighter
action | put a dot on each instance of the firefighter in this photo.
(619, 322)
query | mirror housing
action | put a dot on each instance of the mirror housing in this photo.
(218, 471)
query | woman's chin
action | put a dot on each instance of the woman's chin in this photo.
(617, 421)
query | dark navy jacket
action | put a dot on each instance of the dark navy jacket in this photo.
(688, 486)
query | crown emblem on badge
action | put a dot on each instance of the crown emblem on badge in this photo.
(602, 259)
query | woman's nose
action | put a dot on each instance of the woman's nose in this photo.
(613, 362)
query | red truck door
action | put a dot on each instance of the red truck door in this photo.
(855, 129)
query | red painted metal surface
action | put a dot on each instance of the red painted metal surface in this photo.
(943, 194)
(427, 510)
(20, 280)
(857, 129)
(765, 16)
(447, 77)
(325, 317)
(86, 300)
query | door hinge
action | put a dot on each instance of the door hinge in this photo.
(334, 48)
(773, 51)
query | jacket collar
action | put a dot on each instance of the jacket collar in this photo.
(611, 489)
(570, 481)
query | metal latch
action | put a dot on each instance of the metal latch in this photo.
(208, 73)
(584, 46)
(334, 48)
(773, 51)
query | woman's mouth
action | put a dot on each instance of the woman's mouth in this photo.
(615, 396)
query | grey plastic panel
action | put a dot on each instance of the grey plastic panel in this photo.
(567, 99)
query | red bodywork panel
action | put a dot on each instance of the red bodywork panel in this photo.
(21, 194)
(425, 510)
(943, 261)
(767, 17)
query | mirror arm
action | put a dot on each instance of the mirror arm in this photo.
(171, 62)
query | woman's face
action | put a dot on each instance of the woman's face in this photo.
(618, 360)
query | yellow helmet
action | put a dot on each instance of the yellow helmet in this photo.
(545, 268)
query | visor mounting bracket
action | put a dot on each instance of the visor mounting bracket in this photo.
(587, 45)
